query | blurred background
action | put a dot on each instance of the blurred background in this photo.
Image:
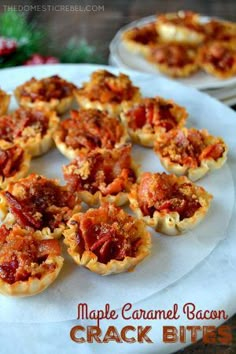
(97, 21)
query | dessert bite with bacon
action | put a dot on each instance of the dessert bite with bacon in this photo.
(38, 203)
(174, 59)
(102, 175)
(182, 26)
(106, 91)
(222, 31)
(149, 117)
(28, 263)
(4, 102)
(107, 240)
(31, 128)
(140, 39)
(14, 163)
(87, 130)
(170, 204)
(53, 93)
(218, 59)
(190, 152)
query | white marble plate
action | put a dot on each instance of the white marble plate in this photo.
(172, 257)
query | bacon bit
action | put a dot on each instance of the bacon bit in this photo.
(3, 233)
(47, 247)
(23, 216)
(151, 112)
(212, 151)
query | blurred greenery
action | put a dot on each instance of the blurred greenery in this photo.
(30, 40)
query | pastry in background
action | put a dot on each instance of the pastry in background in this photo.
(174, 59)
(218, 59)
(181, 27)
(140, 39)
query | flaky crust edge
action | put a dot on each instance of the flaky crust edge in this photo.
(34, 285)
(37, 145)
(23, 168)
(113, 109)
(194, 174)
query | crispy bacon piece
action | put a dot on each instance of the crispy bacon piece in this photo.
(41, 203)
(107, 87)
(91, 129)
(23, 256)
(109, 233)
(46, 89)
(107, 171)
(153, 112)
(161, 192)
(10, 160)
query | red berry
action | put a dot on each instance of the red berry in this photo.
(37, 59)
(7, 46)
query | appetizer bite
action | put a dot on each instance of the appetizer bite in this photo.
(33, 129)
(223, 31)
(190, 152)
(218, 59)
(106, 91)
(140, 39)
(102, 175)
(28, 263)
(107, 240)
(14, 163)
(53, 93)
(89, 129)
(170, 204)
(173, 59)
(183, 26)
(38, 203)
(4, 102)
(150, 117)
